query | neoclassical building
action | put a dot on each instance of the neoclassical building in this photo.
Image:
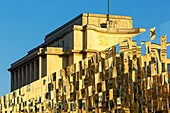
(92, 65)
(78, 39)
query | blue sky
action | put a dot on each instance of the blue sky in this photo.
(24, 23)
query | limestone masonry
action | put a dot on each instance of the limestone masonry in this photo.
(92, 65)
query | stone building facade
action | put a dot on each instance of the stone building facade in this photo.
(78, 39)
(91, 65)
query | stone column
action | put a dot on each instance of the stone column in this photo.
(19, 78)
(35, 70)
(26, 74)
(21, 81)
(31, 72)
(15, 80)
(40, 67)
(12, 81)
(23, 76)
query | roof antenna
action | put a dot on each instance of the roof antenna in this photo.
(109, 23)
(108, 13)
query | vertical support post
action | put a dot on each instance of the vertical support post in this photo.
(22, 71)
(12, 81)
(40, 67)
(26, 72)
(35, 70)
(15, 80)
(19, 79)
(31, 73)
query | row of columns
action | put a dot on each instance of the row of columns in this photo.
(26, 74)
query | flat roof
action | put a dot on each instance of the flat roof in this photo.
(88, 15)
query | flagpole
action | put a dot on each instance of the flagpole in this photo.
(108, 13)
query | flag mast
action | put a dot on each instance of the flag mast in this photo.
(108, 13)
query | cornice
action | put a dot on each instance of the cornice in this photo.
(115, 31)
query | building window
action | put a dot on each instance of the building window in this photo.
(63, 43)
(168, 69)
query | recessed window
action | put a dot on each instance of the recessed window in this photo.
(63, 43)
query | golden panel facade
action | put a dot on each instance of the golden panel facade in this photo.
(114, 81)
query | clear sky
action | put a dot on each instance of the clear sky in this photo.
(24, 23)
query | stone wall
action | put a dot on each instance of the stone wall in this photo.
(112, 80)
